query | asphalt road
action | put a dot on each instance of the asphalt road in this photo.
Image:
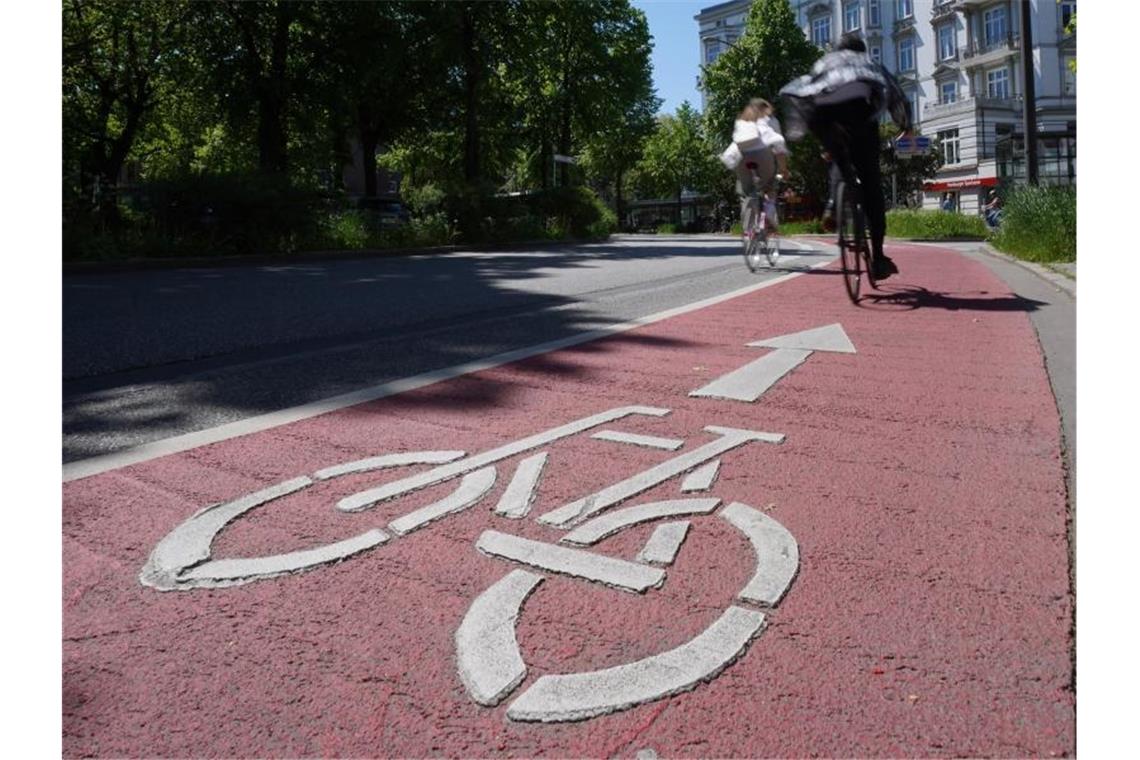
(154, 354)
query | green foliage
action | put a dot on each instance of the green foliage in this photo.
(771, 52)
(810, 227)
(678, 155)
(909, 172)
(667, 229)
(1039, 223)
(934, 225)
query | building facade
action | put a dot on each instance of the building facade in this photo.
(960, 64)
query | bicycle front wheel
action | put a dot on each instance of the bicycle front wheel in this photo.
(757, 247)
(849, 243)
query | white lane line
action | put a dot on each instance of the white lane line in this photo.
(650, 441)
(472, 488)
(618, 573)
(516, 500)
(777, 554)
(749, 382)
(663, 545)
(701, 479)
(579, 510)
(366, 499)
(577, 696)
(487, 651)
(388, 460)
(608, 524)
(82, 468)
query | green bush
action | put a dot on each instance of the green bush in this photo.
(1039, 224)
(934, 225)
(667, 229)
(344, 230)
(737, 229)
(808, 227)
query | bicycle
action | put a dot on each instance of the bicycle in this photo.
(851, 234)
(756, 238)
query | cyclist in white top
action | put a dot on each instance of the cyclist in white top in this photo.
(763, 151)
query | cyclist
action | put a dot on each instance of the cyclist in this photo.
(763, 151)
(840, 102)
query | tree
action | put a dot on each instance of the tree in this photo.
(114, 56)
(771, 52)
(377, 58)
(678, 155)
(907, 173)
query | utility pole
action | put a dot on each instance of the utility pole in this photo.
(1029, 93)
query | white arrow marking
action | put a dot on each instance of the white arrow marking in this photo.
(750, 382)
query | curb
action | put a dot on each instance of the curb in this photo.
(1060, 281)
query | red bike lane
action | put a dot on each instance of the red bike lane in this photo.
(920, 477)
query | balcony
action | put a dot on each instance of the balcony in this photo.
(932, 111)
(981, 54)
(903, 25)
(945, 65)
(943, 10)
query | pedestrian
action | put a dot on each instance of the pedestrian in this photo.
(992, 210)
(947, 202)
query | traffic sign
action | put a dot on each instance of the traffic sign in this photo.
(911, 145)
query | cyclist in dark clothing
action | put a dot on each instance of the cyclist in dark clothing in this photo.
(840, 103)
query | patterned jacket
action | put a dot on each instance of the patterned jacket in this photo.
(831, 72)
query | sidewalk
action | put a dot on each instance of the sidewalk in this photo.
(920, 476)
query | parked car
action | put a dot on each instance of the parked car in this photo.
(393, 214)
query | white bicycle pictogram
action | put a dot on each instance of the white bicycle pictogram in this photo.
(489, 661)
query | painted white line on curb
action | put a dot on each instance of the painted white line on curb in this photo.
(83, 468)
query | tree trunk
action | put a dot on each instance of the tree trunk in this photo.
(273, 94)
(678, 209)
(369, 137)
(472, 76)
(618, 201)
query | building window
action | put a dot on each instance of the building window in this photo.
(906, 54)
(851, 16)
(876, 54)
(1068, 76)
(1068, 10)
(947, 42)
(948, 139)
(904, 8)
(994, 25)
(948, 92)
(821, 30)
(997, 83)
(873, 19)
(712, 50)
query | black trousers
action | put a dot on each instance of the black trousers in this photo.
(846, 122)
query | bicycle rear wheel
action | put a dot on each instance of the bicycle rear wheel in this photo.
(755, 239)
(849, 241)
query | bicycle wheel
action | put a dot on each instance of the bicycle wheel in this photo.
(849, 240)
(755, 239)
(756, 248)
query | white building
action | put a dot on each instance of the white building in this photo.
(959, 61)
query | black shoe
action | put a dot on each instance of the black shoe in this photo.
(884, 268)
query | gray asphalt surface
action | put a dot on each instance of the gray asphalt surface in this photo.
(149, 355)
